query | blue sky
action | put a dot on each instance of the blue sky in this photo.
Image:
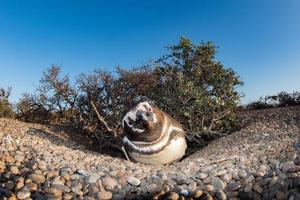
(260, 39)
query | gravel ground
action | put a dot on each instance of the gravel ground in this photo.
(261, 161)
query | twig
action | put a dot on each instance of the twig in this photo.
(100, 118)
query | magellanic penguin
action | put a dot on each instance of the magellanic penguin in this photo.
(152, 136)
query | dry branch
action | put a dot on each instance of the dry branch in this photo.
(100, 118)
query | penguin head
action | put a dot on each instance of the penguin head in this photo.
(143, 122)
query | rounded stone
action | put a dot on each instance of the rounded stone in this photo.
(54, 191)
(23, 194)
(201, 175)
(221, 172)
(133, 181)
(159, 195)
(83, 172)
(9, 159)
(52, 174)
(281, 196)
(172, 196)
(42, 165)
(13, 197)
(198, 193)
(37, 178)
(77, 189)
(109, 183)
(286, 166)
(248, 187)
(67, 196)
(32, 187)
(257, 188)
(217, 183)
(105, 195)
(14, 170)
(19, 183)
(208, 188)
(227, 177)
(233, 186)
(2, 165)
(152, 188)
(93, 178)
(9, 185)
(19, 157)
(220, 195)
(242, 174)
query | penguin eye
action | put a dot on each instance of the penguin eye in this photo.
(130, 123)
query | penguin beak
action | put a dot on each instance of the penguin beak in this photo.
(142, 115)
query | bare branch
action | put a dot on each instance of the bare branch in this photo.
(100, 118)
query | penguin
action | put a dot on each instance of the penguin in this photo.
(152, 136)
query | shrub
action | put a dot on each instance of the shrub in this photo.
(282, 99)
(6, 108)
(33, 108)
(197, 89)
(54, 99)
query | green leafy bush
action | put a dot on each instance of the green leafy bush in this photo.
(197, 89)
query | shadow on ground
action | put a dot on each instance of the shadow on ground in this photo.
(74, 139)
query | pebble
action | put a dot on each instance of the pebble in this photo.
(184, 193)
(133, 181)
(23, 194)
(248, 188)
(198, 193)
(110, 183)
(9, 185)
(243, 174)
(9, 159)
(14, 170)
(13, 197)
(172, 196)
(67, 196)
(77, 189)
(105, 195)
(220, 195)
(227, 177)
(2, 165)
(286, 166)
(19, 183)
(152, 188)
(83, 172)
(42, 165)
(19, 157)
(281, 196)
(217, 183)
(93, 178)
(233, 186)
(257, 188)
(54, 191)
(201, 175)
(208, 188)
(52, 174)
(32, 187)
(221, 172)
(37, 178)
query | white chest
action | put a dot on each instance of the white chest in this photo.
(174, 151)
